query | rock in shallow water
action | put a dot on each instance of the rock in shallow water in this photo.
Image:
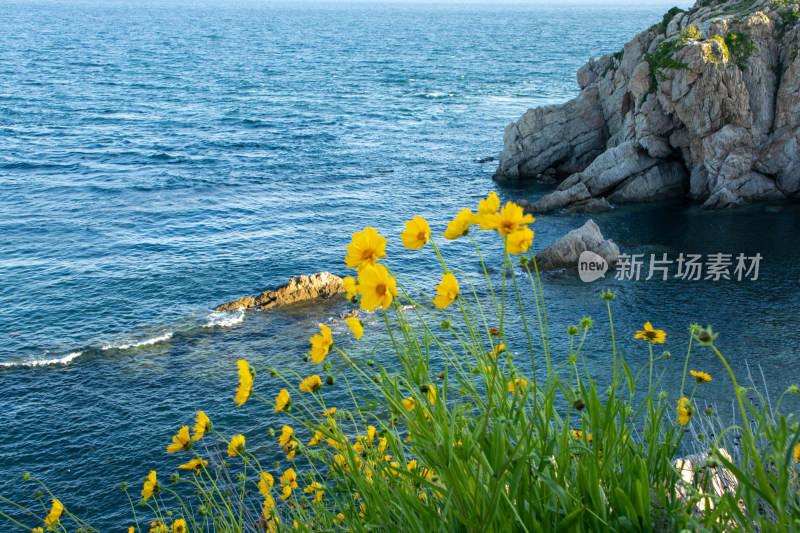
(319, 285)
(564, 253)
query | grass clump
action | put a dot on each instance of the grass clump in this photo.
(462, 414)
(662, 59)
(690, 33)
(717, 54)
(741, 47)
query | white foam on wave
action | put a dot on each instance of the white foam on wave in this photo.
(224, 319)
(41, 362)
(146, 342)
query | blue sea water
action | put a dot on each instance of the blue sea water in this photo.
(157, 160)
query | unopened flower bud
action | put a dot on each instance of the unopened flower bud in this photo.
(329, 380)
(666, 355)
(441, 375)
(26, 476)
(174, 478)
(271, 432)
(579, 404)
(423, 389)
(445, 324)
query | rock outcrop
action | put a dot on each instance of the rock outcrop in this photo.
(705, 104)
(319, 285)
(564, 253)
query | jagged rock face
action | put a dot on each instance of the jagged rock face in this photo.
(707, 104)
(319, 285)
(565, 252)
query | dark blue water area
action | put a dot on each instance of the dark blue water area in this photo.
(156, 161)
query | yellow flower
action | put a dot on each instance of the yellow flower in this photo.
(684, 411)
(366, 247)
(408, 403)
(339, 519)
(417, 233)
(130, 530)
(282, 400)
(518, 383)
(269, 506)
(578, 434)
(150, 486)
(519, 241)
(431, 394)
(497, 350)
(486, 217)
(355, 326)
(288, 482)
(40, 530)
(797, 454)
(311, 384)
(371, 433)
(650, 334)
(245, 383)
(315, 489)
(54, 515)
(202, 424)
(700, 377)
(179, 526)
(157, 526)
(377, 287)
(447, 291)
(317, 438)
(351, 287)
(321, 344)
(265, 483)
(510, 219)
(194, 465)
(181, 441)
(236, 445)
(290, 449)
(286, 435)
(459, 226)
(329, 412)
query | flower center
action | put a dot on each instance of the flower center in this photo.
(421, 236)
(367, 254)
(380, 288)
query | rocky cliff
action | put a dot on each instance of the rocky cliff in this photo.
(705, 104)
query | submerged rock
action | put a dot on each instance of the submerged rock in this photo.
(564, 253)
(319, 285)
(705, 104)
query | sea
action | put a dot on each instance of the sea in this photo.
(160, 158)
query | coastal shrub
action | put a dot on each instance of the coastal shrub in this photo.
(741, 47)
(716, 54)
(660, 60)
(690, 33)
(662, 26)
(463, 414)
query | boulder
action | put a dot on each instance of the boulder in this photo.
(299, 288)
(564, 253)
(726, 106)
